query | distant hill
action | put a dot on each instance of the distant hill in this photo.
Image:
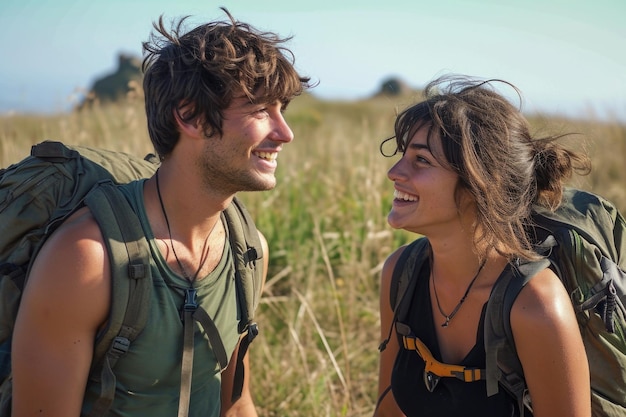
(394, 86)
(117, 85)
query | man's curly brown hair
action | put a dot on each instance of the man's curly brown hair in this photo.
(202, 70)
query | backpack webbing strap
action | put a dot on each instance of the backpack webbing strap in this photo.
(186, 366)
(402, 282)
(244, 343)
(502, 363)
(246, 248)
(192, 311)
(131, 284)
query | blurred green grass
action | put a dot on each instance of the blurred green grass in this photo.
(326, 226)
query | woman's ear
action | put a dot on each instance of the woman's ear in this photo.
(464, 199)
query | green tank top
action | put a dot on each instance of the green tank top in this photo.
(148, 376)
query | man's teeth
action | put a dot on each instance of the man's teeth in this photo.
(399, 195)
(268, 156)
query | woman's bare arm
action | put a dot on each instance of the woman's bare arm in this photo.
(550, 348)
(387, 406)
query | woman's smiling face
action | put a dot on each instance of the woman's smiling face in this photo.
(425, 190)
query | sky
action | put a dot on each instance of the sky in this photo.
(566, 56)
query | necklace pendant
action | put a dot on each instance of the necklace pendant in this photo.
(446, 323)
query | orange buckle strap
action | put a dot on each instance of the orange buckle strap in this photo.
(435, 370)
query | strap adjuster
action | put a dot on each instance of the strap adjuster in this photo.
(120, 346)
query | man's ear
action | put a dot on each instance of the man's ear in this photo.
(192, 128)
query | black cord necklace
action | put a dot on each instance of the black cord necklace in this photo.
(205, 251)
(449, 317)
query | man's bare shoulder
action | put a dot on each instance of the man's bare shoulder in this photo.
(65, 302)
(73, 265)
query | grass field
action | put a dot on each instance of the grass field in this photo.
(326, 226)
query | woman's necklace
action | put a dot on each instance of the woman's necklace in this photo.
(449, 317)
(205, 249)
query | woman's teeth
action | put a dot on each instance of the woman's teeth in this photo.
(400, 195)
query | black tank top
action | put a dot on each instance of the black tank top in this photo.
(451, 397)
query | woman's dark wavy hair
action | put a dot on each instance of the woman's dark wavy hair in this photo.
(201, 71)
(487, 143)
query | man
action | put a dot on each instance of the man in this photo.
(214, 100)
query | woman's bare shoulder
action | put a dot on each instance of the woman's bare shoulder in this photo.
(542, 302)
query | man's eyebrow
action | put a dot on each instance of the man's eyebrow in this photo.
(243, 99)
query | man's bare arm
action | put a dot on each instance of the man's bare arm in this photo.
(66, 299)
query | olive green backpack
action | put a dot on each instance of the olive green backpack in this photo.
(38, 193)
(584, 241)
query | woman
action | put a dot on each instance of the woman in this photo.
(467, 178)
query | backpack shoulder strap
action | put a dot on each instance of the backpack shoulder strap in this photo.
(246, 246)
(410, 260)
(502, 363)
(247, 250)
(131, 281)
(403, 282)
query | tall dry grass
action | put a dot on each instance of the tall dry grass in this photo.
(326, 226)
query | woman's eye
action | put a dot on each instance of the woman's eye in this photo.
(422, 160)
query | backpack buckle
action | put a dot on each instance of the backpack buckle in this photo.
(250, 256)
(431, 380)
(190, 300)
(253, 331)
(191, 304)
